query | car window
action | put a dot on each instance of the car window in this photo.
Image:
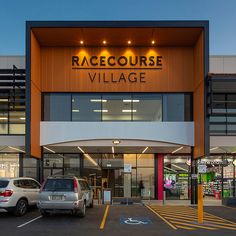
(59, 185)
(4, 183)
(34, 184)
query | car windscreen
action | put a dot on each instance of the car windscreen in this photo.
(4, 183)
(59, 185)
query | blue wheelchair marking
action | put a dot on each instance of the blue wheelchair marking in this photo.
(135, 221)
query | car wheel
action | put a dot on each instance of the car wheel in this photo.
(21, 207)
(83, 210)
(91, 204)
(44, 213)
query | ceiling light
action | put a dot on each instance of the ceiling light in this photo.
(22, 118)
(129, 42)
(88, 157)
(3, 99)
(73, 100)
(178, 149)
(180, 168)
(112, 149)
(50, 150)
(214, 148)
(100, 110)
(98, 100)
(129, 100)
(81, 149)
(75, 110)
(143, 152)
(129, 110)
(153, 42)
(81, 42)
(3, 118)
(104, 41)
(116, 142)
(17, 149)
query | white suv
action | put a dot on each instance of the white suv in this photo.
(17, 194)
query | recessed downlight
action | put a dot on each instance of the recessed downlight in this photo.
(104, 42)
(129, 42)
(153, 42)
(81, 42)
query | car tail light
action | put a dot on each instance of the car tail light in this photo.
(42, 186)
(75, 186)
(6, 193)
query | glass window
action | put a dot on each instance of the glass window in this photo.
(3, 128)
(9, 165)
(173, 107)
(147, 107)
(117, 107)
(17, 116)
(86, 107)
(145, 160)
(57, 107)
(17, 128)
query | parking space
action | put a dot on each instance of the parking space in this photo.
(123, 220)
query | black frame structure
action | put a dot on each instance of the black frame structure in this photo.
(115, 24)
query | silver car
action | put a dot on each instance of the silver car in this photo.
(65, 194)
(17, 194)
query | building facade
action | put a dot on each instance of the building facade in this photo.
(123, 104)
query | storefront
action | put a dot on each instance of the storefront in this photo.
(102, 96)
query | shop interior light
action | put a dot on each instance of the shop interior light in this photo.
(129, 111)
(88, 157)
(234, 162)
(178, 149)
(105, 111)
(98, 100)
(153, 42)
(129, 100)
(50, 150)
(129, 42)
(22, 118)
(116, 142)
(233, 152)
(75, 110)
(170, 169)
(3, 100)
(214, 148)
(16, 149)
(81, 42)
(3, 118)
(143, 152)
(104, 42)
(113, 151)
(179, 167)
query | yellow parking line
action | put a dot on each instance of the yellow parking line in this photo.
(219, 226)
(234, 208)
(104, 218)
(231, 222)
(167, 222)
(184, 227)
(198, 226)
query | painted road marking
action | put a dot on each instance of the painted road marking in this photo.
(104, 218)
(167, 222)
(135, 220)
(28, 222)
(185, 217)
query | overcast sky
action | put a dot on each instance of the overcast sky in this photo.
(220, 13)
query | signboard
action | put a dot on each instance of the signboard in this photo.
(127, 168)
(202, 169)
(194, 176)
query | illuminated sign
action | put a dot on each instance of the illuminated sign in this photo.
(127, 66)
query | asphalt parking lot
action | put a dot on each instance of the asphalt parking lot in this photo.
(130, 220)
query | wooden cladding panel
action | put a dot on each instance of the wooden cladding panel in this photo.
(35, 87)
(58, 76)
(199, 100)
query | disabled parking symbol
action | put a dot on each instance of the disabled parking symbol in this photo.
(135, 220)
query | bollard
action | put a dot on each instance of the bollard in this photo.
(200, 204)
(164, 197)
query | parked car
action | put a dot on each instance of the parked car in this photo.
(17, 194)
(65, 194)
